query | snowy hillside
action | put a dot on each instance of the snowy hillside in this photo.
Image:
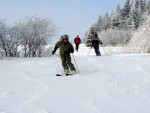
(106, 84)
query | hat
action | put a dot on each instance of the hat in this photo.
(66, 36)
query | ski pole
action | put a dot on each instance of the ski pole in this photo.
(57, 55)
(104, 51)
(75, 63)
(89, 51)
(103, 47)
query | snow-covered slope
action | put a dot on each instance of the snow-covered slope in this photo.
(106, 84)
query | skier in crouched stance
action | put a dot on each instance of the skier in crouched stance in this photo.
(65, 49)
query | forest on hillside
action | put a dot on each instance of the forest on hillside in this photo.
(125, 26)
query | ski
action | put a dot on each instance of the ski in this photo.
(59, 74)
(69, 74)
(63, 74)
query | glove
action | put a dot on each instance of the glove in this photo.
(100, 42)
(53, 52)
(72, 51)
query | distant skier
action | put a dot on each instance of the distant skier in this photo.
(65, 49)
(95, 43)
(77, 41)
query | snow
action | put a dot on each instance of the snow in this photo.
(106, 84)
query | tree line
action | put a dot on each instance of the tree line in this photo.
(119, 27)
(26, 38)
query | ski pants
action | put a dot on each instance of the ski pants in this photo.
(77, 47)
(66, 62)
(97, 52)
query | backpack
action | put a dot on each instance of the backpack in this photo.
(77, 40)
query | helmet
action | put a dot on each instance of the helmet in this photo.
(66, 36)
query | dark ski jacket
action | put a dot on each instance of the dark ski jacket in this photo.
(96, 41)
(65, 47)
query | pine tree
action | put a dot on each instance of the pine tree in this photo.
(136, 4)
(116, 18)
(125, 12)
(148, 7)
(142, 4)
(106, 22)
(132, 19)
(99, 22)
(126, 9)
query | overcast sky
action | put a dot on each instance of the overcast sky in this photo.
(73, 17)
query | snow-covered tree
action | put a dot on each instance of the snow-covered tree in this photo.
(35, 32)
(114, 37)
(31, 33)
(116, 18)
(106, 20)
(13, 41)
(126, 9)
(148, 7)
(140, 41)
(142, 4)
(3, 36)
(126, 19)
(136, 4)
(133, 19)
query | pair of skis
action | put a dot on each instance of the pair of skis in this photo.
(64, 74)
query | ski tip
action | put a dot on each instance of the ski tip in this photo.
(59, 75)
